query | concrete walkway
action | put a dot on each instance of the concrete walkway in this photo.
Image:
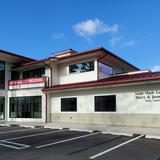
(117, 130)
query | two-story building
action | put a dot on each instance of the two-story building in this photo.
(93, 87)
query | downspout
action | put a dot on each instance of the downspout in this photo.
(50, 58)
(46, 97)
(50, 71)
(46, 106)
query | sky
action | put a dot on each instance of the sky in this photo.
(38, 28)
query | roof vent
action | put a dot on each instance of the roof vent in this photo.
(64, 53)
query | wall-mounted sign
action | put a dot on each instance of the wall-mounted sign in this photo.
(148, 96)
(27, 83)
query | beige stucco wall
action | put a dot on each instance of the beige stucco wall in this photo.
(130, 111)
(140, 120)
(65, 77)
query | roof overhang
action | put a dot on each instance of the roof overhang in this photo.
(101, 54)
(34, 64)
(13, 58)
(147, 78)
(103, 86)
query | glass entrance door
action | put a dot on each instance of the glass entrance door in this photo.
(2, 107)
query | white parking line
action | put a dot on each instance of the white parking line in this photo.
(67, 140)
(13, 145)
(113, 148)
(34, 135)
(18, 130)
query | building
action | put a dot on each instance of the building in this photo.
(93, 87)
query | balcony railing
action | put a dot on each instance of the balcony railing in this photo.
(36, 82)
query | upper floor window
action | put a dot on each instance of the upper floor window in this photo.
(34, 73)
(105, 69)
(2, 75)
(81, 67)
(14, 75)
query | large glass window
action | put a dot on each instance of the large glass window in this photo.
(2, 107)
(81, 67)
(34, 73)
(25, 107)
(2, 75)
(68, 104)
(105, 103)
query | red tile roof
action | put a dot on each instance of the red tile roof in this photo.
(119, 79)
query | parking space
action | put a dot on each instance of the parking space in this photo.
(39, 143)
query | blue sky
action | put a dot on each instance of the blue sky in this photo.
(37, 28)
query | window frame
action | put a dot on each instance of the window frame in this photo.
(3, 75)
(28, 102)
(105, 68)
(104, 103)
(39, 72)
(70, 69)
(2, 108)
(67, 108)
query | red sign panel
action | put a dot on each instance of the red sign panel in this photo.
(27, 83)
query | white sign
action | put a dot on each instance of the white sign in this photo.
(27, 83)
(148, 96)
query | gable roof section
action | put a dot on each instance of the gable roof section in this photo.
(94, 50)
(80, 54)
(17, 55)
(119, 79)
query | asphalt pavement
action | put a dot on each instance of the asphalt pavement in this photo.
(19, 143)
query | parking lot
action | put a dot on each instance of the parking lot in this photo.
(18, 143)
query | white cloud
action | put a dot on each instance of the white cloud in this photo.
(129, 43)
(156, 68)
(90, 28)
(114, 40)
(59, 35)
(118, 41)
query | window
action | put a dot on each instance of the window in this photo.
(105, 103)
(105, 69)
(2, 75)
(2, 108)
(68, 104)
(81, 67)
(14, 75)
(13, 107)
(25, 107)
(37, 107)
(34, 73)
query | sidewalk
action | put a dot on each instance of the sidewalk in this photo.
(117, 130)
